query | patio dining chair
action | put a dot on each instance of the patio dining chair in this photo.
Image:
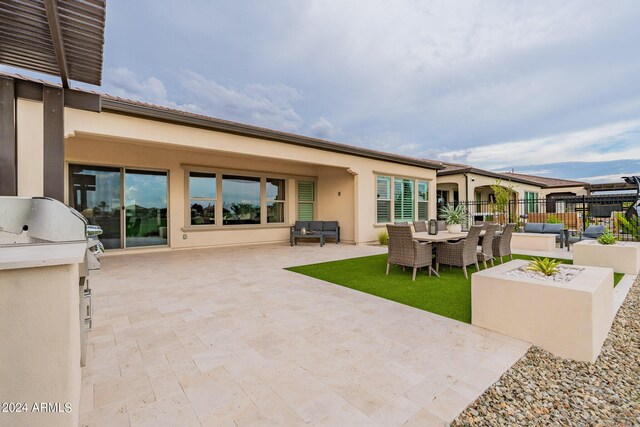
(407, 252)
(460, 254)
(485, 250)
(502, 242)
(420, 226)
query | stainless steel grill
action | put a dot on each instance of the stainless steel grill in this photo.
(41, 221)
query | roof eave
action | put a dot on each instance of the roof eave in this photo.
(148, 112)
(490, 174)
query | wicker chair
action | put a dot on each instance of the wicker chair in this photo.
(420, 226)
(502, 242)
(485, 252)
(460, 254)
(407, 252)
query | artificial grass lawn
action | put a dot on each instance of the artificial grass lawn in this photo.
(448, 295)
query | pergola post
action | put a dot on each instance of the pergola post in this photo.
(8, 158)
(53, 99)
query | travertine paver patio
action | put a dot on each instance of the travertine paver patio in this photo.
(227, 337)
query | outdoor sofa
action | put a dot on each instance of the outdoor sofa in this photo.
(315, 230)
(547, 228)
(591, 233)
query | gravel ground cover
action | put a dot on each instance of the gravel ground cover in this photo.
(541, 389)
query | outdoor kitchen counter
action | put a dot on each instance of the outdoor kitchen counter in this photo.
(43, 255)
(40, 332)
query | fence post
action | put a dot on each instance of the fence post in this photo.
(584, 213)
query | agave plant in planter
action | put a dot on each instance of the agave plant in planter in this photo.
(454, 216)
(607, 238)
(546, 266)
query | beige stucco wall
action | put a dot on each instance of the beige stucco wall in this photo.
(448, 182)
(40, 351)
(457, 182)
(119, 140)
(30, 134)
(578, 190)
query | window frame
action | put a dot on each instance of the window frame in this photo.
(216, 177)
(411, 203)
(220, 172)
(261, 196)
(312, 202)
(415, 182)
(283, 202)
(419, 201)
(389, 199)
(531, 199)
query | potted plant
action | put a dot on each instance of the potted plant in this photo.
(454, 216)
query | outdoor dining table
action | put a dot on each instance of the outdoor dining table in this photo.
(442, 236)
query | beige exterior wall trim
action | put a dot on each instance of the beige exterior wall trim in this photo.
(148, 112)
(196, 228)
(246, 172)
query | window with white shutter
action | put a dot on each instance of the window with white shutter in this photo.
(306, 200)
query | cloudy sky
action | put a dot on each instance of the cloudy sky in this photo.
(543, 87)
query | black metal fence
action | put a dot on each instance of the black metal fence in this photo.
(575, 212)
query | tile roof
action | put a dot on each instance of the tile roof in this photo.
(157, 112)
(541, 181)
(546, 181)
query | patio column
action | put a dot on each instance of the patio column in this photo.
(53, 167)
(8, 159)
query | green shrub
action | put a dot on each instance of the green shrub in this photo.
(546, 266)
(552, 219)
(629, 227)
(383, 238)
(607, 238)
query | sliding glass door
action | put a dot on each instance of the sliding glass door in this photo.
(94, 191)
(133, 217)
(146, 208)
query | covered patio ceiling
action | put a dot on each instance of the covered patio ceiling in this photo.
(63, 38)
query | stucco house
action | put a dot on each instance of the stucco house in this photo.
(457, 182)
(154, 177)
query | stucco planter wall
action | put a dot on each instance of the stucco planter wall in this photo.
(570, 320)
(623, 257)
(533, 241)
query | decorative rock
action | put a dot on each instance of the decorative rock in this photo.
(542, 389)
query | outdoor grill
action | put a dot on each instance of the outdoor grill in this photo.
(36, 224)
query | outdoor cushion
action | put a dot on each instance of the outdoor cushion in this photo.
(300, 224)
(315, 225)
(330, 226)
(594, 231)
(553, 228)
(533, 227)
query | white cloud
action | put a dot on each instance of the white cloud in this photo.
(599, 179)
(610, 142)
(124, 83)
(556, 81)
(324, 129)
(261, 105)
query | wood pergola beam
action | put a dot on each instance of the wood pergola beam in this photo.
(51, 7)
